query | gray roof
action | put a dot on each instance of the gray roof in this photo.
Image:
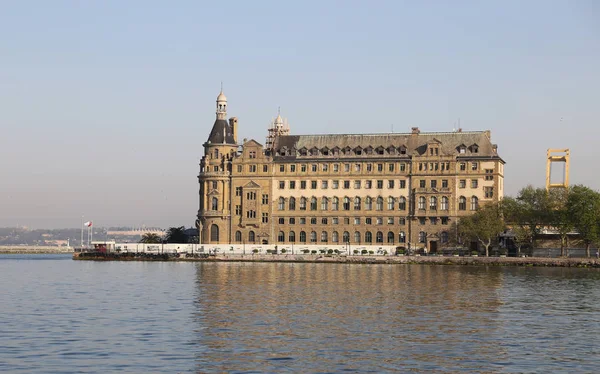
(221, 133)
(415, 143)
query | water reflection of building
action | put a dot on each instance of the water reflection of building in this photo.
(319, 311)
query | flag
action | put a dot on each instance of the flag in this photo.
(88, 224)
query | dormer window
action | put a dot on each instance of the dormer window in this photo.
(358, 151)
(314, 152)
(379, 150)
(402, 150)
(303, 152)
(462, 149)
(474, 148)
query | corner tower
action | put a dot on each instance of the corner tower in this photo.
(220, 148)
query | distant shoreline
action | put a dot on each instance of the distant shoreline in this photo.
(425, 260)
(24, 250)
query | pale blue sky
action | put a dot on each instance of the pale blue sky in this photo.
(105, 104)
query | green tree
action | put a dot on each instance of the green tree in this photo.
(151, 238)
(484, 225)
(176, 235)
(583, 206)
(560, 219)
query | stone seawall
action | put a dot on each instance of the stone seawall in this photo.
(15, 249)
(426, 260)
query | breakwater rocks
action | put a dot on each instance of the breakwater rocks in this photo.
(427, 260)
(15, 249)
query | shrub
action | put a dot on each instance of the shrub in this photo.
(329, 251)
(255, 250)
(336, 251)
(356, 251)
(473, 253)
(283, 250)
(314, 251)
(322, 251)
(305, 251)
(371, 252)
(364, 252)
(385, 253)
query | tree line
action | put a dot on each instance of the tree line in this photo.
(562, 210)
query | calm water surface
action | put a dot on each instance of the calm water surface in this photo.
(59, 315)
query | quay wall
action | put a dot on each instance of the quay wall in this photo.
(22, 249)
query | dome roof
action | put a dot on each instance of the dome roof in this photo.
(221, 97)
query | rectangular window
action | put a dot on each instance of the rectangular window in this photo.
(346, 221)
(265, 199)
(463, 166)
(474, 165)
(251, 214)
(433, 220)
(379, 184)
(433, 183)
(390, 220)
(323, 221)
(325, 167)
(239, 168)
(402, 221)
(303, 220)
(473, 183)
(324, 185)
(444, 183)
(421, 220)
(252, 168)
(335, 221)
(462, 183)
(313, 185)
(357, 185)
(292, 221)
(336, 167)
(356, 221)
(252, 154)
(293, 168)
(422, 183)
(302, 185)
(313, 221)
(402, 167)
(313, 168)
(379, 167)
(368, 221)
(335, 184)
(489, 192)
(346, 185)
(346, 167)
(281, 185)
(265, 168)
(379, 221)
(489, 174)
(391, 184)
(282, 168)
(402, 184)
(238, 210)
(368, 184)
(369, 167)
(357, 168)
(281, 221)
(391, 167)
(292, 185)
(303, 168)
(238, 191)
(444, 220)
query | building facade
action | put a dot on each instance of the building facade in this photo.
(402, 189)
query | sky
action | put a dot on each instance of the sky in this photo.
(105, 105)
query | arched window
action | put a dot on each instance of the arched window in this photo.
(444, 237)
(214, 203)
(368, 237)
(346, 237)
(368, 203)
(313, 203)
(422, 202)
(334, 237)
(214, 233)
(357, 237)
(402, 237)
(292, 203)
(292, 237)
(433, 203)
(379, 203)
(379, 237)
(238, 236)
(251, 237)
(281, 203)
(335, 205)
(281, 237)
(422, 236)
(302, 237)
(216, 153)
(390, 203)
(390, 238)
(303, 203)
(402, 203)
(324, 236)
(324, 203)
(346, 203)
(357, 203)
(444, 203)
(462, 203)
(313, 237)
(474, 203)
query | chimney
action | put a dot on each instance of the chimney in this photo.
(233, 122)
(415, 130)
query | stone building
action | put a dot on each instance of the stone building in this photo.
(403, 189)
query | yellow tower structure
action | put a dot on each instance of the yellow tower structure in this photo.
(557, 155)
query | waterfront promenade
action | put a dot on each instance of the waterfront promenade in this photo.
(367, 259)
(41, 249)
